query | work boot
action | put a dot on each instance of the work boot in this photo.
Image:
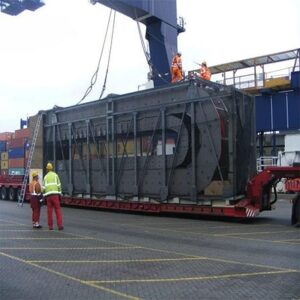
(61, 228)
(37, 226)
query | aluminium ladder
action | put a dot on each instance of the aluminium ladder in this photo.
(31, 152)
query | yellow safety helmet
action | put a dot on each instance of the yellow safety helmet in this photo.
(34, 174)
(49, 166)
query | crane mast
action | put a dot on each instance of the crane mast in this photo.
(160, 19)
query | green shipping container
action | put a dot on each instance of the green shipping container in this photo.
(16, 171)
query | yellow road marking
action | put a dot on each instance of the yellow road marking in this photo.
(117, 260)
(91, 284)
(8, 225)
(44, 238)
(140, 223)
(69, 248)
(212, 234)
(188, 255)
(261, 240)
(250, 233)
(290, 240)
(11, 222)
(18, 230)
(238, 275)
(225, 226)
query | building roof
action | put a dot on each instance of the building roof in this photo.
(255, 61)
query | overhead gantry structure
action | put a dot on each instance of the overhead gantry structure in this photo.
(160, 18)
(15, 7)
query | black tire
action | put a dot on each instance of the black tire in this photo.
(12, 194)
(3, 193)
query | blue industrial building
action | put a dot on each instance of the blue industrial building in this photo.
(274, 79)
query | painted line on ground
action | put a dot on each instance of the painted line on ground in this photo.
(18, 230)
(210, 277)
(291, 240)
(119, 261)
(44, 238)
(12, 222)
(187, 255)
(123, 295)
(150, 225)
(10, 225)
(255, 232)
(261, 240)
(70, 248)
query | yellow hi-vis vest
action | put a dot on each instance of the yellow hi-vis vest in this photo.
(51, 184)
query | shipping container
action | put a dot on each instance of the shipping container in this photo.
(6, 136)
(16, 153)
(16, 163)
(16, 171)
(22, 133)
(18, 143)
(4, 164)
(2, 146)
(4, 155)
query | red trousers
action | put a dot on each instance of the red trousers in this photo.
(36, 209)
(53, 201)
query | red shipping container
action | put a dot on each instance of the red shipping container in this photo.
(22, 133)
(16, 163)
(17, 143)
(6, 136)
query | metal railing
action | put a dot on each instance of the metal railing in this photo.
(250, 80)
(266, 161)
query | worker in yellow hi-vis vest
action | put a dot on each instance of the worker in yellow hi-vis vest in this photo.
(52, 194)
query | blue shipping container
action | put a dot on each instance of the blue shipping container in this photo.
(2, 146)
(16, 171)
(16, 153)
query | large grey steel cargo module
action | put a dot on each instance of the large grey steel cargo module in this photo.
(188, 143)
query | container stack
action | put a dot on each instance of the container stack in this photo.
(18, 152)
(5, 138)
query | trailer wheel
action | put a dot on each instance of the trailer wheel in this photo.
(3, 193)
(12, 194)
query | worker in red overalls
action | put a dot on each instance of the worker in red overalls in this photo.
(204, 72)
(52, 194)
(176, 68)
(35, 196)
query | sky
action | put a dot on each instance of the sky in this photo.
(48, 57)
